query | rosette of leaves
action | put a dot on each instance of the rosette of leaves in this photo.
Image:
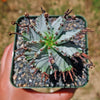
(50, 49)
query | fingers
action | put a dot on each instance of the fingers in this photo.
(8, 92)
(7, 53)
(5, 85)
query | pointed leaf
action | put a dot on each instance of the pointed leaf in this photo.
(42, 62)
(33, 50)
(60, 63)
(69, 48)
(41, 25)
(56, 25)
(69, 35)
(33, 34)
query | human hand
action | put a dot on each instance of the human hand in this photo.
(8, 92)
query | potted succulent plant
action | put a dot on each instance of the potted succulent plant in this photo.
(50, 52)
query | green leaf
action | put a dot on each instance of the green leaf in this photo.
(42, 62)
(68, 35)
(56, 25)
(41, 25)
(60, 64)
(33, 35)
(69, 48)
(33, 49)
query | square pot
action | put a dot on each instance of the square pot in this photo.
(21, 73)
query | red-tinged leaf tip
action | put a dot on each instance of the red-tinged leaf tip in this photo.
(56, 33)
(48, 47)
(56, 43)
(40, 34)
(62, 51)
(34, 42)
(41, 49)
(62, 24)
(59, 28)
(77, 54)
(43, 11)
(50, 37)
(57, 48)
(26, 14)
(62, 40)
(40, 41)
(45, 37)
(10, 33)
(81, 36)
(13, 22)
(31, 26)
(54, 37)
(46, 15)
(73, 17)
(25, 48)
(65, 54)
(46, 23)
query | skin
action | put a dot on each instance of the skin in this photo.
(8, 92)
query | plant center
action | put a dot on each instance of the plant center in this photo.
(49, 41)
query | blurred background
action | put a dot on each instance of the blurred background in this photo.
(10, 10)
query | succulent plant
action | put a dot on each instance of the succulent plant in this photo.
(50, 49)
